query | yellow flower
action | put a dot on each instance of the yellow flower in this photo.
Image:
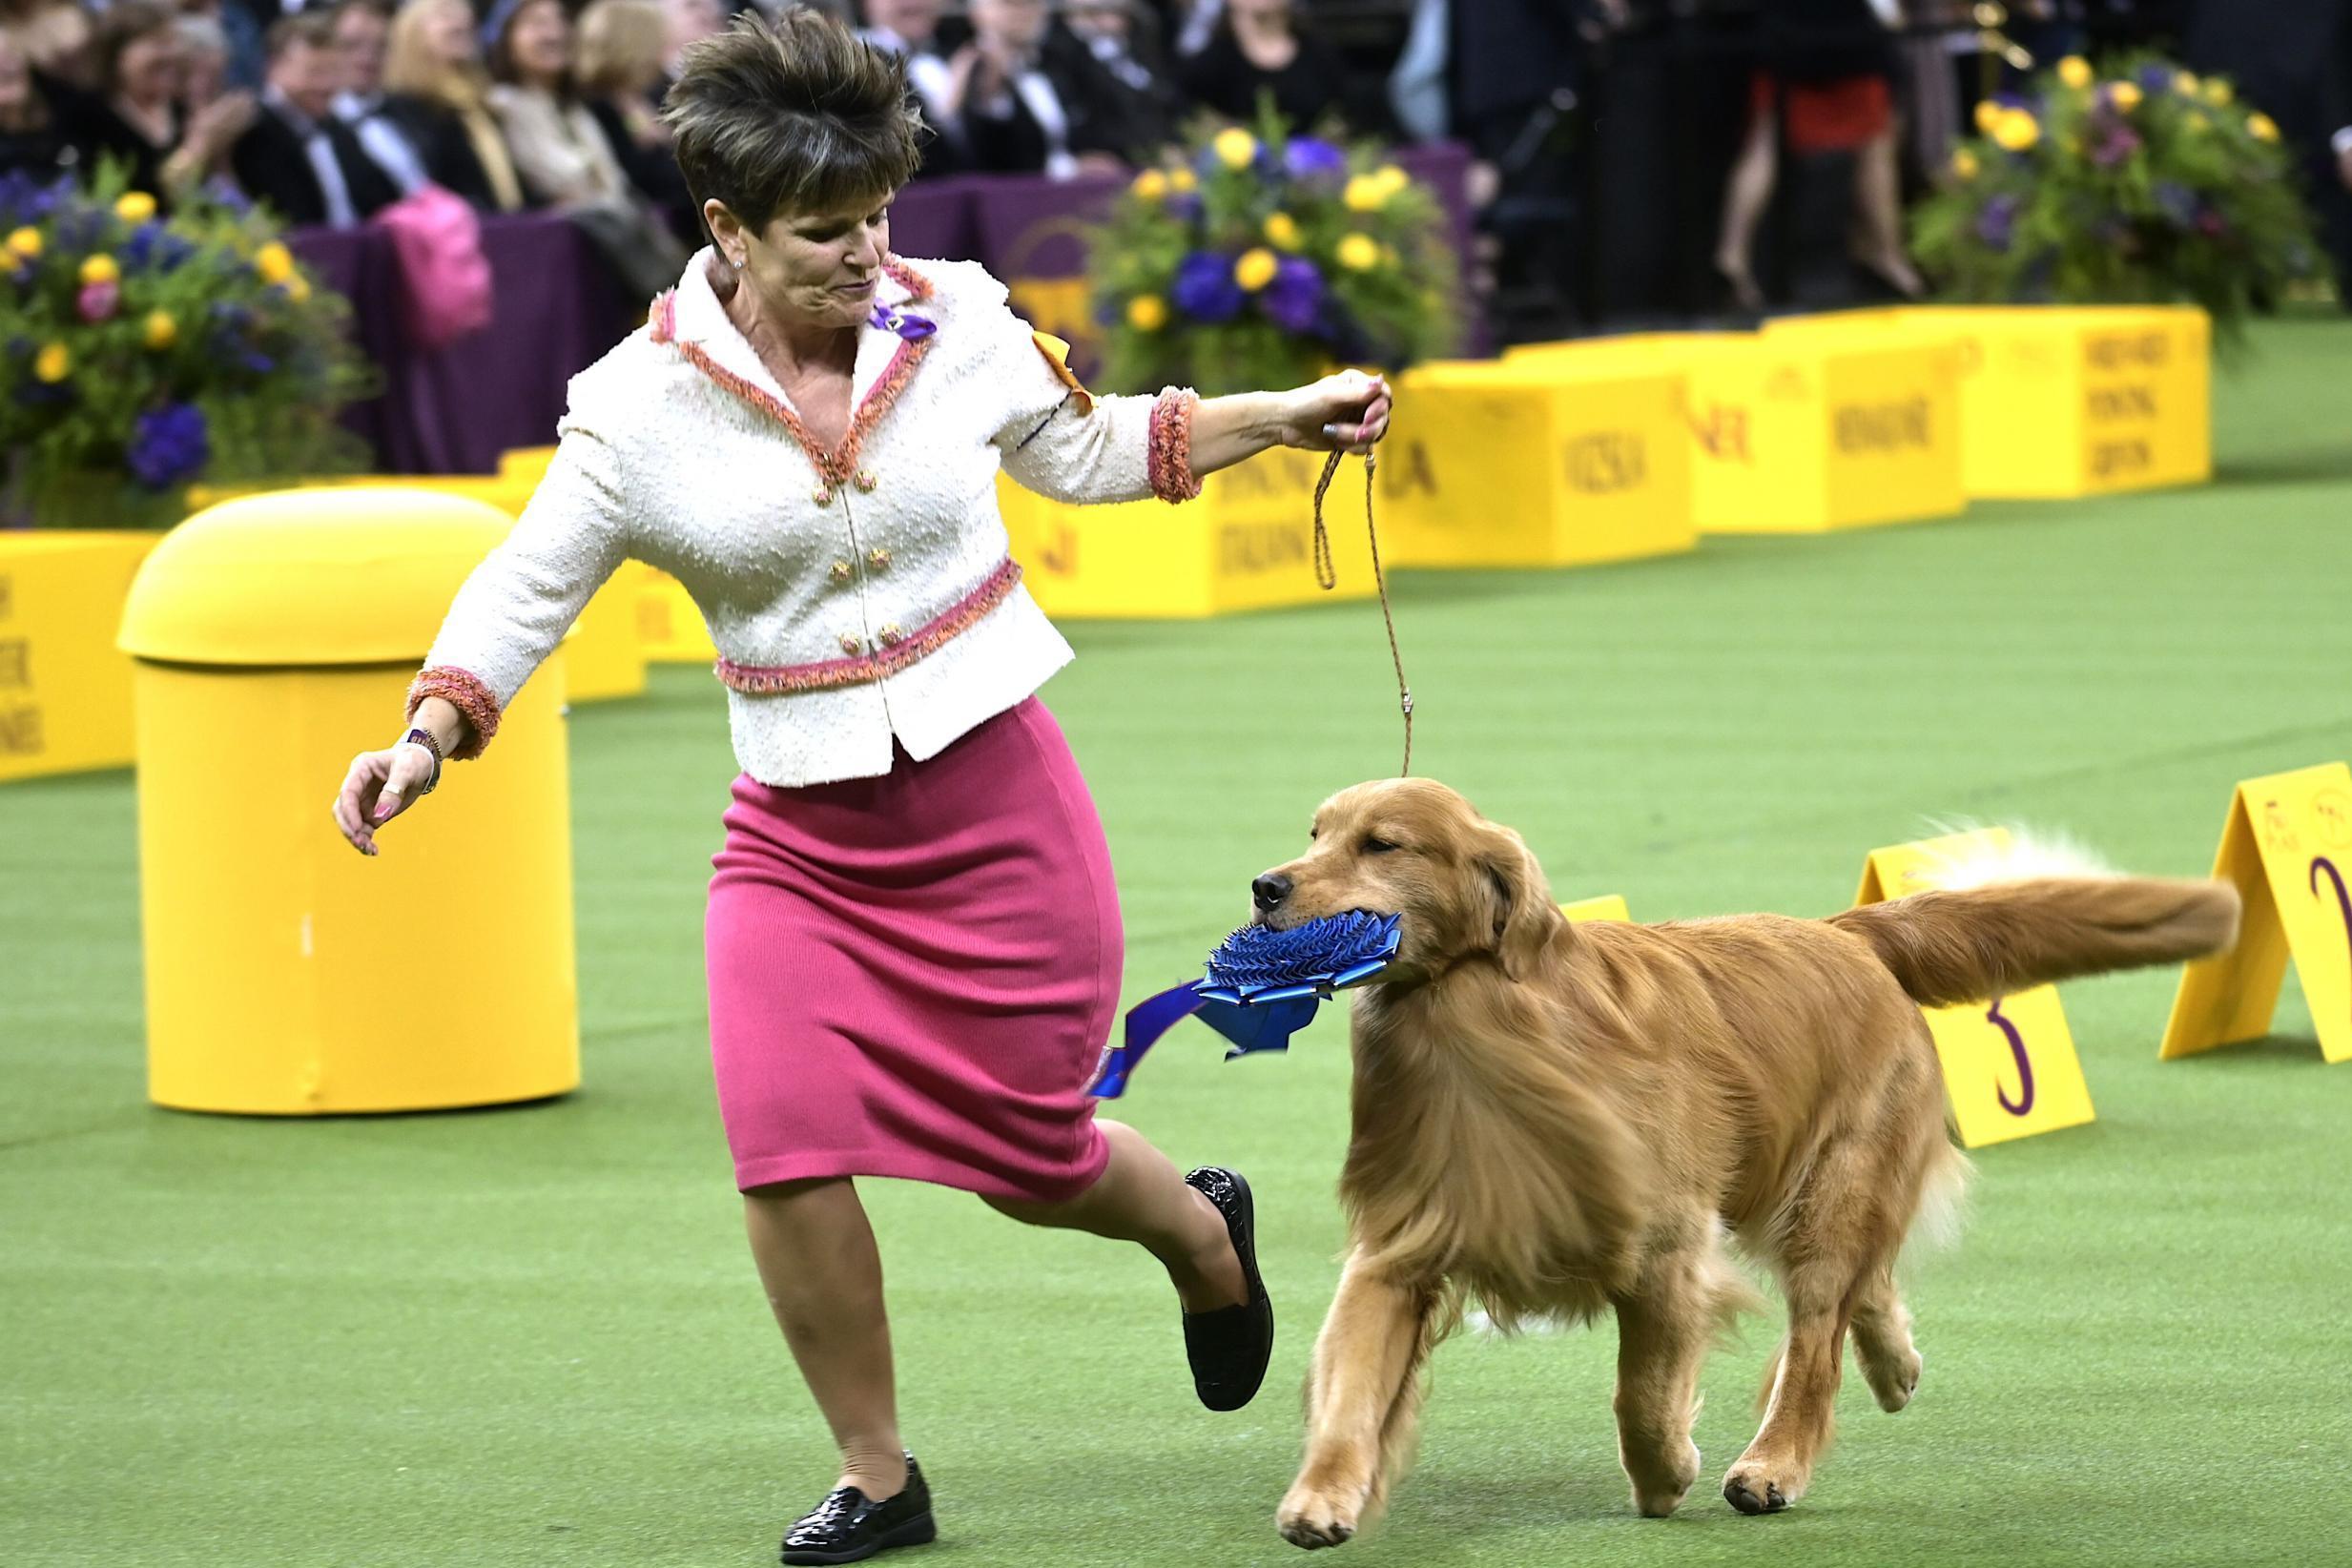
(1988, 116)
(1282, 229)
(1365, 194)
(2074, 72)
(26, 243)
(296, 287)
(1392, 178)
(161, 330)
(2124, 95)
(2017, 130)
(1359, 252)
(1147, 313)
(1235, 147)
(2185, 82)
(1255, 269)
(52, 364)
(2219, 93)
(274, 263)
(1181, 179)
(1964, 164)
(134, 206)
(2264, 127)
(1151, 185)
(100, 269)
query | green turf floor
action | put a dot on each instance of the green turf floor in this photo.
(533, 1336)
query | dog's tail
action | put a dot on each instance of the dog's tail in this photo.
(1957, 946)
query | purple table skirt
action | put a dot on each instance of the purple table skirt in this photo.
(557, 307)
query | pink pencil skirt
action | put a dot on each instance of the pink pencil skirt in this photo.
(914, 976)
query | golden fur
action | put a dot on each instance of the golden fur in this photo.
(1566, 1119)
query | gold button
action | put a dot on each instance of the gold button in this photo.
(866, 480)
(851, 644)
(841, 571)
(822, 495)
(892, 636)
(879, 560)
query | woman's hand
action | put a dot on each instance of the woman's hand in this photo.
(1346, 412)
(380, 786)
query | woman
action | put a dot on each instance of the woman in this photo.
(1258, 48)
(913, 940)
(561, 150)
(141, 70)
(437, 95)
(32, 141)
(620, 52)
(1827, 68)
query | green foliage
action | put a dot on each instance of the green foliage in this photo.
(1250, 259)
(140, 353)
(2135, 183)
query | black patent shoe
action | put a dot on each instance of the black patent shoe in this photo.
(849, 1526)
(1230, 1347)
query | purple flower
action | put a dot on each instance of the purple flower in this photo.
(2157, 78)
(1294, 299)
(1997, 223)
(2175, 201)
(1311, 158)
(911, 327)
(97, 301)
(169, 445)
(2118, 144)
(151, 243)
(1204, 289)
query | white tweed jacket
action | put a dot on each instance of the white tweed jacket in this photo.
(854, 595)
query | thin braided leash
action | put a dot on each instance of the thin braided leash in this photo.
(1327, 577)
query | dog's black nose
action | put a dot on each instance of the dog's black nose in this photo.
(1270, 889)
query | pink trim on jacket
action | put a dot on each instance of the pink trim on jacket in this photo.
(1168, 462)
(761, 680)
(837, 466)
(468, 693)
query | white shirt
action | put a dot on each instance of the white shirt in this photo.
(848, 612)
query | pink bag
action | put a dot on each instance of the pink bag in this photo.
(444, 277)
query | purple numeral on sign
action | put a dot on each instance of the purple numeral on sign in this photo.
(2024, 1102)
(2344, 898)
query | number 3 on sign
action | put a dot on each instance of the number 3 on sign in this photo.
(2009, 1069)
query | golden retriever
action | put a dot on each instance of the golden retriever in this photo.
(1562, 1121)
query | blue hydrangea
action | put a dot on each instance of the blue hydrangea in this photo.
(1294, 299)
(1205, 288)
(1311, 158)
(169, 444)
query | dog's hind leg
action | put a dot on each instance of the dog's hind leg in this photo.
(1664, 1327)
(1362, 1400)
(1883, 1345)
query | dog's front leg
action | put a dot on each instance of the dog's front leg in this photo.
(1360, 1403)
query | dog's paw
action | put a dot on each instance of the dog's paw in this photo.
(1312, 1519)
(1657, 1495)
(1755, 1487)
(1893, 1382)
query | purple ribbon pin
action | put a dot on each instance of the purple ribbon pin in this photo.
(911, 327)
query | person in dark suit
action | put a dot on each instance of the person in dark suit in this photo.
(1262, 47)
(297, 158)
(2293, 61)
(1030, 98)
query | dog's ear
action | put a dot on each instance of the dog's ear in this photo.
(1525, 918)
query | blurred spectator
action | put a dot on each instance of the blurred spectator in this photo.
(2293, 61)
(910, 29)
(205, 53)
(1029, 103)
(437, 95)
(1115, 35)
(690, 21)
(55, 37)
(139, 119)
(1259, 47)
(562, 151)
(1824, 84)
(362, 35)
(32, 138)
(297, 158)
(620, 70)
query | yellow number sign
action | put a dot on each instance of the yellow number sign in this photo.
(2288, 847)
(2010, 1067)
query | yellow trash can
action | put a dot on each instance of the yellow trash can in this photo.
(274, 637)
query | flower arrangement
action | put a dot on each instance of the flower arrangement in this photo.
(1255, 258)
(140, 353)
(2137, 184)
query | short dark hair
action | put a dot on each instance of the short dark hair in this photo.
(792, 116)
(314, 28)
(123, 26)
